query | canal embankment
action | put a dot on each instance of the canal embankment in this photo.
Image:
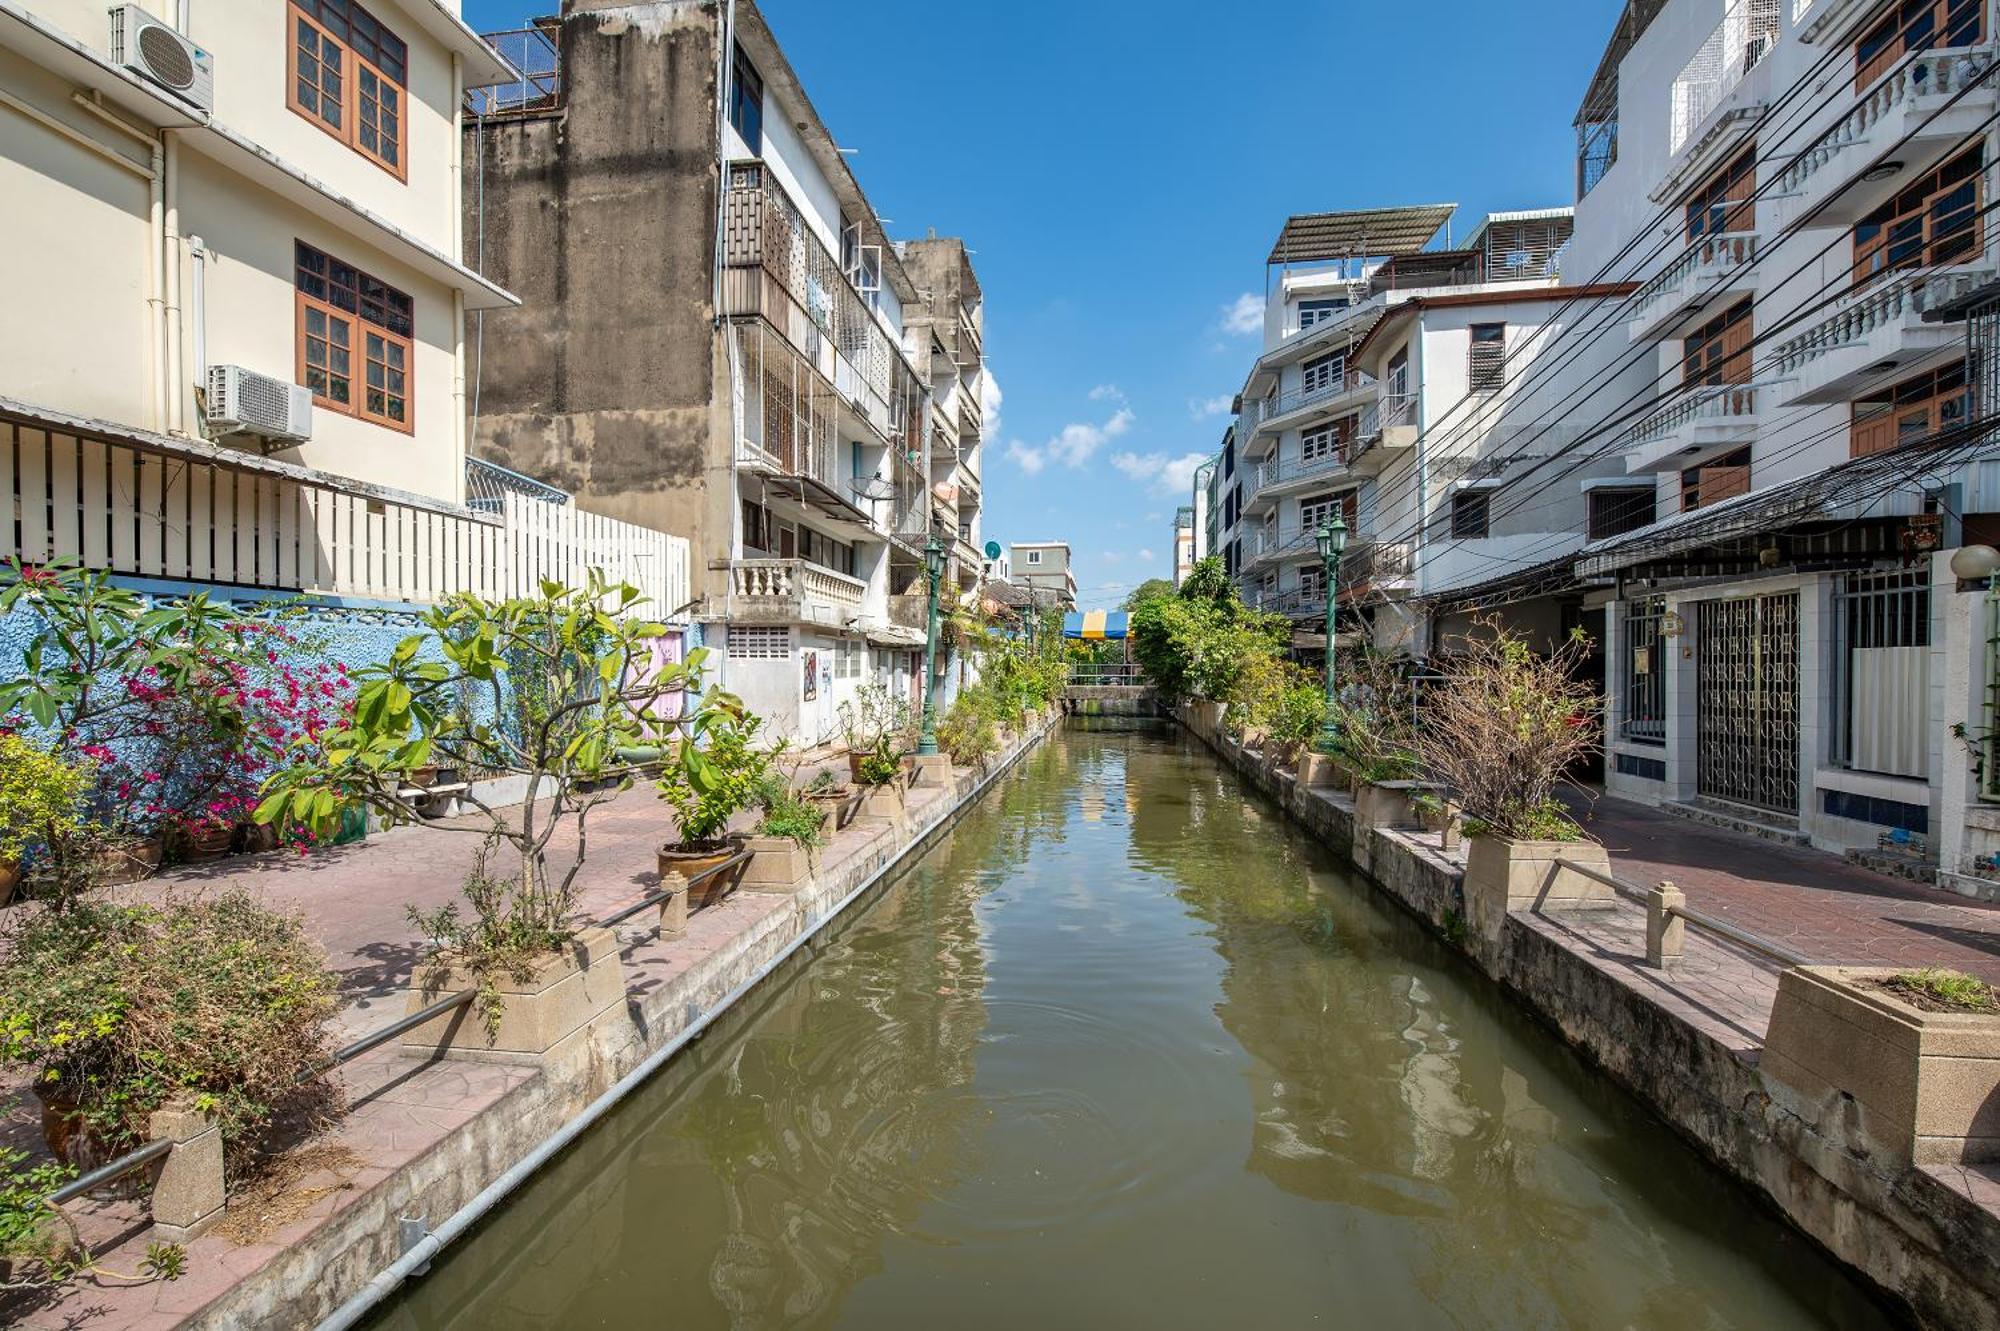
(1687, 1039)
(430, 1141)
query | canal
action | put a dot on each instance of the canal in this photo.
(1127, 1050)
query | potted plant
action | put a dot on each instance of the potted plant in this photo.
(41, 799)
(1503, 735)
(876, 715)
(882, 778)
(784, 841)
(967, 732)
(718, 774)
(830, 795)
(568, 683)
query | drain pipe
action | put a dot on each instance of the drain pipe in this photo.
(198, 253)
(418, 1257)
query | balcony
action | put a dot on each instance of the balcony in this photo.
(1273, 477)
(1712, 265)
(1277, 541)
(791, 591)
(1875, 332)
(1377, 566)
(1893, 117)
(1386, 427)
(1292, 602)
(1265, 415)
(1697, 420)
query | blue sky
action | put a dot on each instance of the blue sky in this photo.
(1120, 168)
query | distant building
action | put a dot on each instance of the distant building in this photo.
(1183, 543)
(1044, 565)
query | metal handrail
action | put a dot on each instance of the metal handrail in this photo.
(113, 1169)
(1721, 928)
(654, 898)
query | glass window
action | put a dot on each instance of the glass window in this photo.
(746, 102)
(350, 75)
(1933, 220)
(1322, 373)
(1319, 310)
(1471, 511)
(342, 310)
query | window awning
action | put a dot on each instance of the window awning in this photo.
(1096, 624)
(1363, 233)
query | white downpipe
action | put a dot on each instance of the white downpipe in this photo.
(171, 259)
(155, 172)
(199, 254)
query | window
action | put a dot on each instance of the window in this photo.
(1325, 442)
(1323, 372)
(847, 658)
(349, 321)
(1718, 352)
(1910, 411)
(1643, 718)
(1914, 25)
(1396, 383)
(1486, 368)
(1034, 556)
(1613, 511)
(1471, 511)
(350, 76)
(756, 527)
(1933, 220)
(1319, 311)
(1718, 478)
(1882, 634)
(1312, 582)
(1727, 200)
(1320, 508)
(746, 102)
(759, 642)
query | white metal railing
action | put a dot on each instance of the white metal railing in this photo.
(1921, 73)
(1710, 402)
(1743, 37)
(1888, 302)
(1390, 409)
(1262, 411)
(1710, 259)
(1273, 471)
(1369, 562)
(487, 484)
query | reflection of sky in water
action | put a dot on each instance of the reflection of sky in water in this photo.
(1126, 1051)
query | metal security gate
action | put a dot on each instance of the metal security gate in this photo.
(1747, 691)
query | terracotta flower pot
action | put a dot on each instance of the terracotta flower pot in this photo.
(688, 861)
(209, 843)
(129, 861)
(10, 880)
(854, 758)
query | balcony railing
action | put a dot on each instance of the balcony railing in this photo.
(1711, 259)
(1391, 409)
(790, 414)
(792, 591)
(1925, 73)
(1372, 563)
(534, 52)
(1745, 35)
(1277, 471)
(1711, 402)
(1892, 301)
(1261, 411)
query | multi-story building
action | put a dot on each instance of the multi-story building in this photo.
(1044, 566)
(1393, 391)
(237, 356)
(1801, 189)
(1184, 543)
(722, 340)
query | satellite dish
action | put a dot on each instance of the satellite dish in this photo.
(993, 549)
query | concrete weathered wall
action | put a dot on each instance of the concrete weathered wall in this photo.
(601, 216)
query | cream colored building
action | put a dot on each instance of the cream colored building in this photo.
(271, 186)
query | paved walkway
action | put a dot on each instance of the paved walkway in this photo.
(1813, 902)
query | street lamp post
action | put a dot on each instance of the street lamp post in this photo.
(927, 744)
(1331, 538)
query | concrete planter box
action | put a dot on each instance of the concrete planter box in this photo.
(1503, 876)
(1922, 1087)
(1318, 771)
(1379, 804)
(884, 803)
(561, 998)
(1207, 718)
(777, 864)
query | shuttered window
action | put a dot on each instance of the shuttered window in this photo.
(1915, 25)
(1726, 200)
(1933, 220)
(1487, 369)
(1717, 479)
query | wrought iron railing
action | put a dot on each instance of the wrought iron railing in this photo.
(487, 485)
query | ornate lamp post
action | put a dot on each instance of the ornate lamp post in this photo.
(1331, 538)
(933, 569)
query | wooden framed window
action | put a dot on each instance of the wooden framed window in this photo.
(1915, 25)
(354, 341)
(1717, 479)
(1910, 411)
(350, 76)
(1726, 201)
(1471, 514)
(1718, 352)
(1932, 220)
(1322, 373)
(1486, 358)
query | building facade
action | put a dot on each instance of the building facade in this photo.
(1044, 566)
(753, 363)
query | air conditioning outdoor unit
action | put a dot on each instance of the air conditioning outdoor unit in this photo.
(156, 52)
(242, 401)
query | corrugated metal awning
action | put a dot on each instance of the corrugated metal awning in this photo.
(1364, 233)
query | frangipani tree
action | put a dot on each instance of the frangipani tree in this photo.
(557, 688)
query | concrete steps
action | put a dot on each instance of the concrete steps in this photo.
(1762, 823)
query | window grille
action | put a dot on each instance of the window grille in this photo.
(758, 642)
(1486, 368)
(1470, 511)
(1881, 672)
(1644, 714)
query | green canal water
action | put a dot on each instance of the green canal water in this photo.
(1127, 1050)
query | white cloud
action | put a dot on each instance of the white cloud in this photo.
(1107, 393)
(989, 405)
(1112, 557)
(1163, 475)
(1144, 556)
(1074, 444)
(1244, 315)
(1202, 408)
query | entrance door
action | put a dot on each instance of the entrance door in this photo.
(1747, 691)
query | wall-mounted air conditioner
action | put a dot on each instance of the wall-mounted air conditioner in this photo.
(242, 401)
(157, 53)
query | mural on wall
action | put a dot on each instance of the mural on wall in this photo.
(669, 649)
(812, 676)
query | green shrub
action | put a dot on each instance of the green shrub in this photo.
(968, 732)
(119, 1008)
(1953, 990)
(794, 818)
(881, 766)
(704, 799)
(41, 797)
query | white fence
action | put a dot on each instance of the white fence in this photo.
(114, 507)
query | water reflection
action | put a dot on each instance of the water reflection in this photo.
(1127, 1051)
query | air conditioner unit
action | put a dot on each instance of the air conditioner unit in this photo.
(158, 53)
(242, 401)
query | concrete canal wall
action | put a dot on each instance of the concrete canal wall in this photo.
(671, 987)
(1928, 1237)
